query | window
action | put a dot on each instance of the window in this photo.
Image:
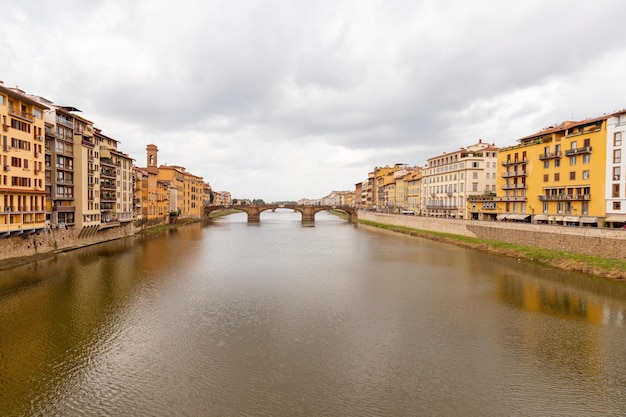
(557, 163)
(585, 174)
(617, 156)
(545, 178)
(37, 113)
(572, 160)
(1, 99)
(573, 145)
(557, 177)
(475, 175)
(615, 191)
(546, 163)
(617, 139)
(616, 173)
(545, 206)
(572, 175)
(475, 165)
(617, 205)
(586, 158)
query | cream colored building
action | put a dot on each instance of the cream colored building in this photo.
(449, 179)
(116, 182)
(615, 188)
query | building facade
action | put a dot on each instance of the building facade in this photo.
(22, 192)
(449, 179)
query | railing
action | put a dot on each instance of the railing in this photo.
(514, 186)
(565, 197)
(515, 161)
(510, 198)
(65, 122)
(552, 155)
(19, 113)
(578, 151)
(520, 173)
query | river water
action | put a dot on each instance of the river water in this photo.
(279, 319)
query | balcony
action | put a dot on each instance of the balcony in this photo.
(510, 198)
(565, 197)
(63, 196)
(63, 121)
(519, 173)
(514, 162)
(21, 114)
(110, 173)
(514, 186)
(483, 197)
(105, 185)
(552, 155)
(64, 209)
(578, 151)
(107, 197)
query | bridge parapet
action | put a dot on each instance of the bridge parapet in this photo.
(308, 212)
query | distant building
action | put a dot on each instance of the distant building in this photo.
(449, 179)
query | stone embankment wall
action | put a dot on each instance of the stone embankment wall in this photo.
(57, 240)
(602, 242)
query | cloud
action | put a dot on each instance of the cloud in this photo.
(289, 99)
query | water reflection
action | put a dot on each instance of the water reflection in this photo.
(282, 320)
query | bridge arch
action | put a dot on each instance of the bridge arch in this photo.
(308, 212)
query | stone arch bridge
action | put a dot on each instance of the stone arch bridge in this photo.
(308, 212)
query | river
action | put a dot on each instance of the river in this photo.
(278, 319)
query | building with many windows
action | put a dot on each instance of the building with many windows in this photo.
(555, 176)
(615, 189)
(449, 179)
(22, 192)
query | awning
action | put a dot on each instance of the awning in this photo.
(541, 217)
(615, 219)
(555, 218)
(588, 220)
(571, 219)
(518, 216)
(501, 216)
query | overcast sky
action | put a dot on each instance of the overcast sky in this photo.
(285, 99)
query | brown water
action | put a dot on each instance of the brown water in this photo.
(277, 319)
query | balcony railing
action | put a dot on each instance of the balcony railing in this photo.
(552, 155)
(578, 151)
(510, 198)
(514, 186)
(21, 114)
(519, 173)
(65, 122)
(565, 197)
(513, 162)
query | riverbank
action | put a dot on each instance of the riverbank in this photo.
(16, 261)
(614, 269)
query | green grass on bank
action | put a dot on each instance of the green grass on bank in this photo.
(609, 268)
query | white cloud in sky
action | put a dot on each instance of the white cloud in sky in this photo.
(279, 99)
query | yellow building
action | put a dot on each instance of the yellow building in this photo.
(413, 182)
(192, 195)
(154, 193)
(555, 176)
(22, 192)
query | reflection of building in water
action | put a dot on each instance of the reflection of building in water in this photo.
(565, 302)
(613, 316)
